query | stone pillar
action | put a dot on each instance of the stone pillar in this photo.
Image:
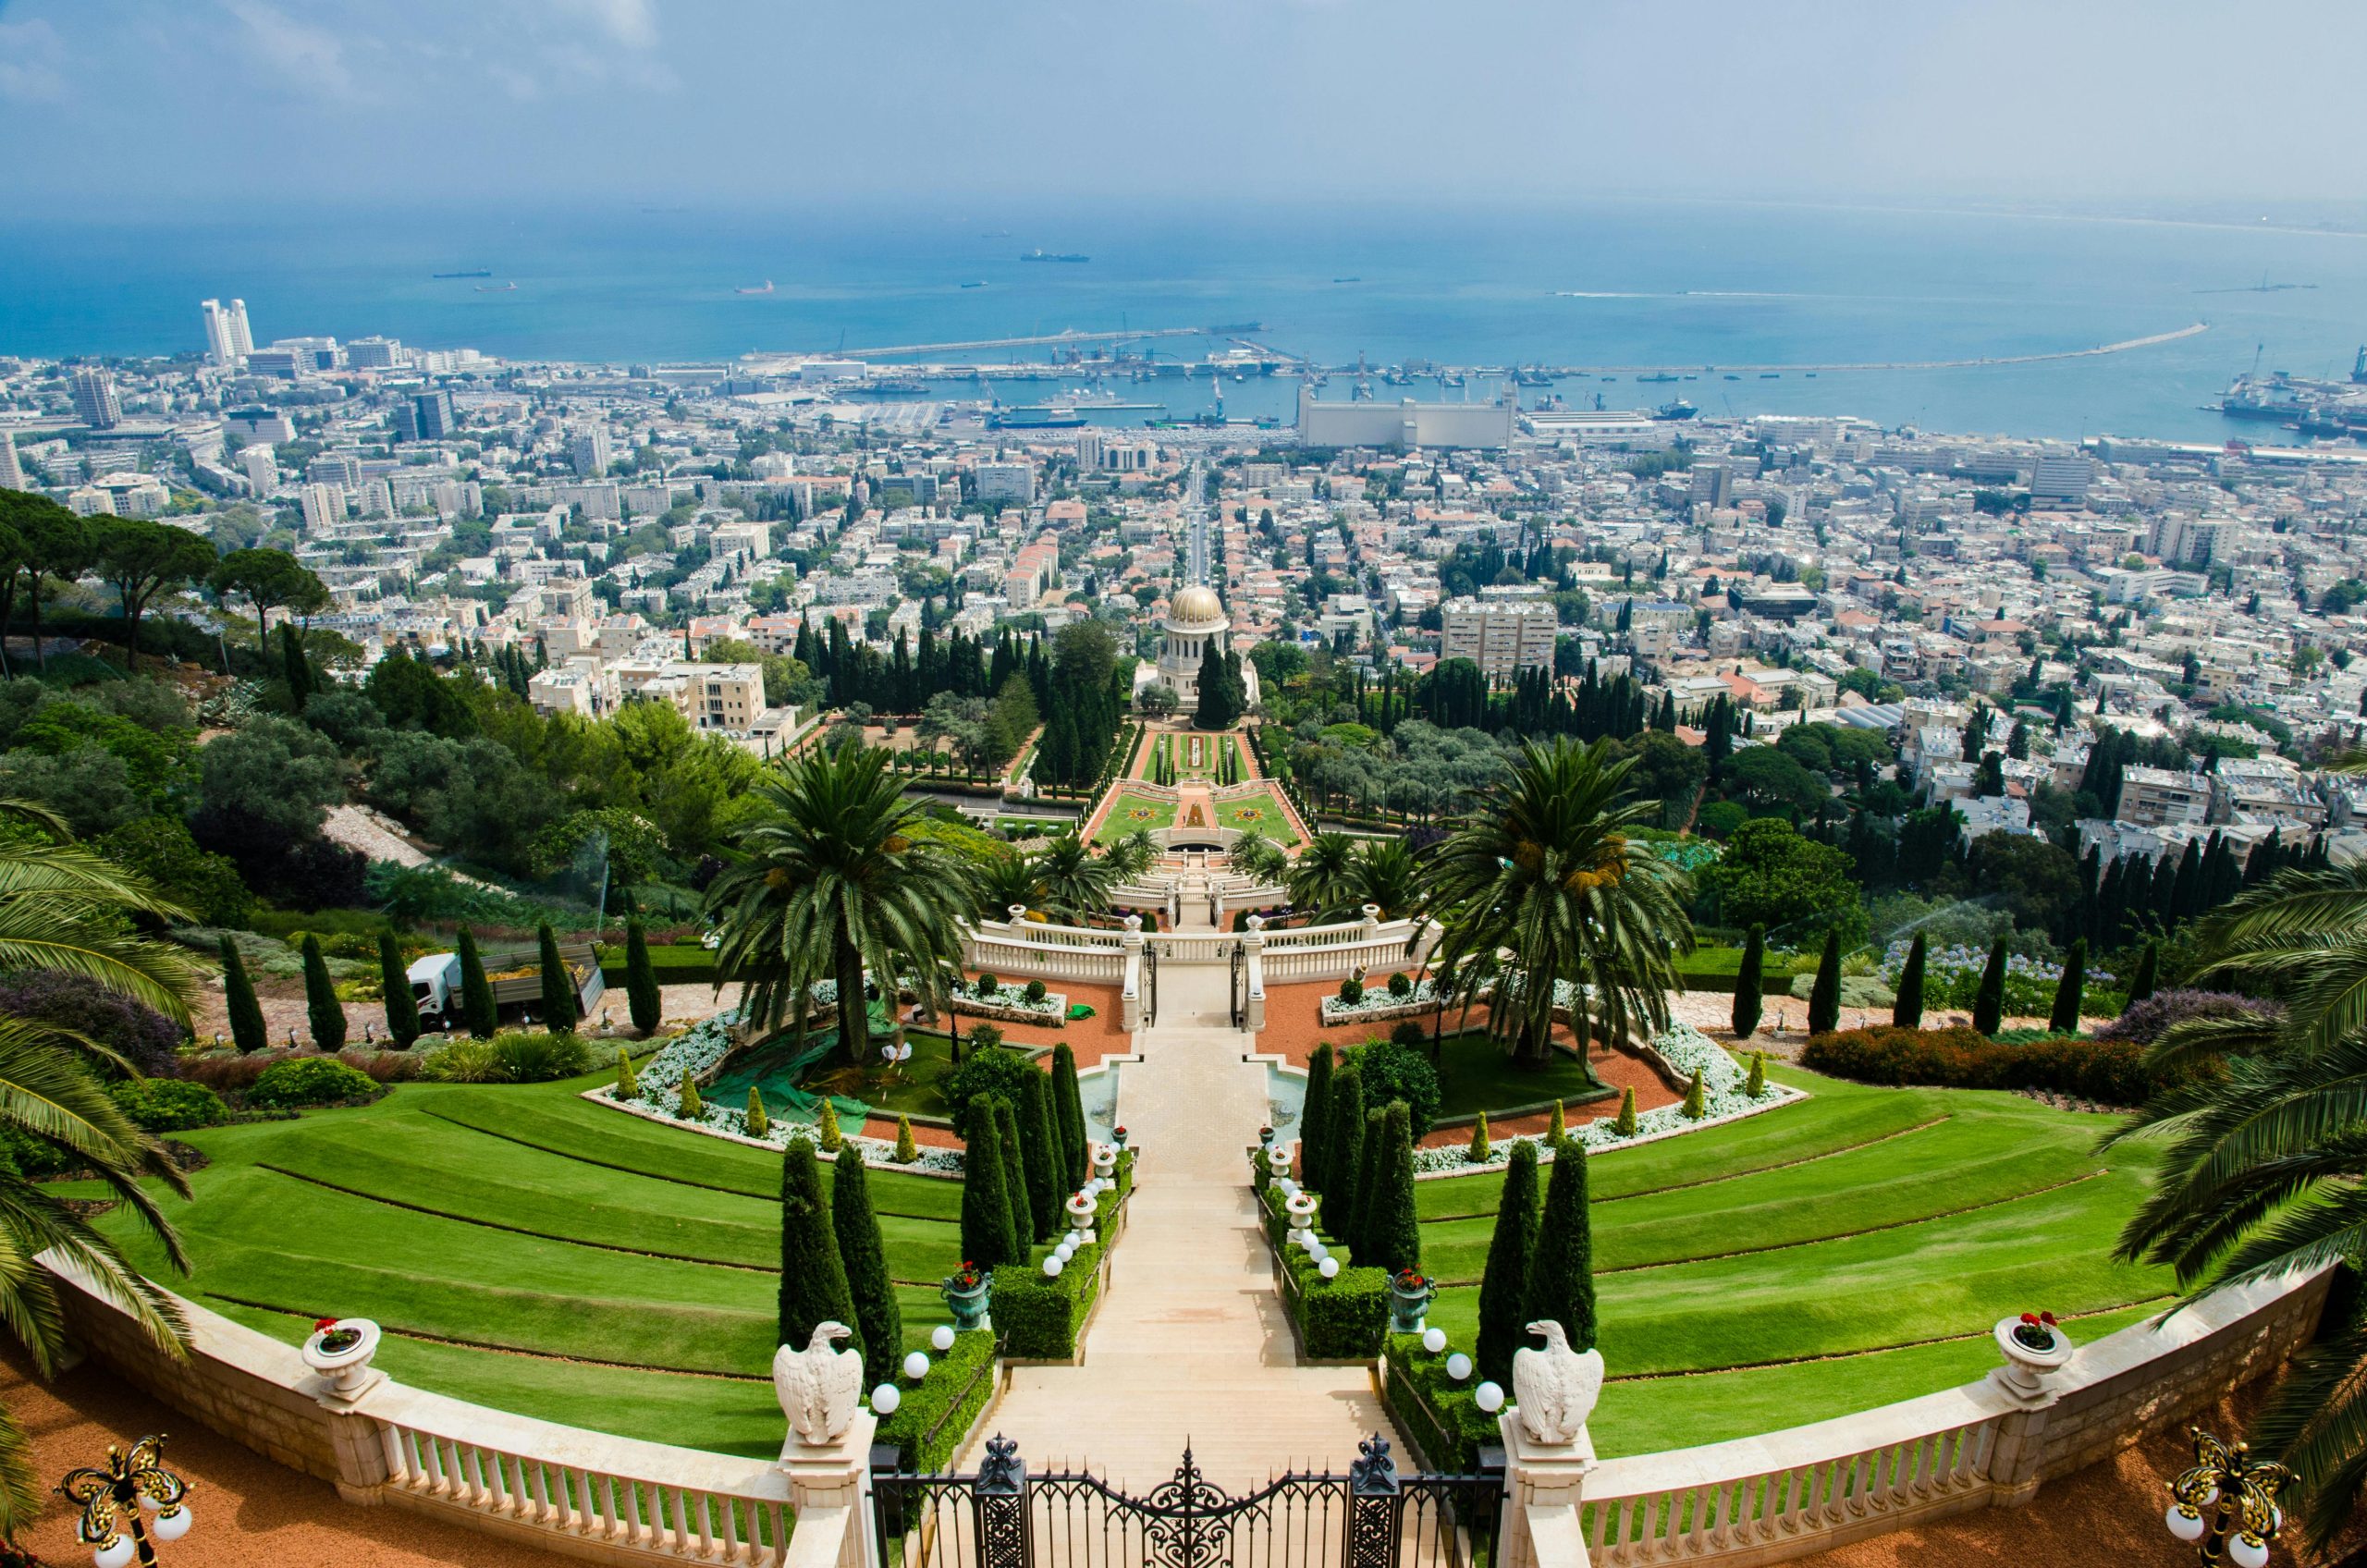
(2019, 1443)
(1130, 995)
(834, 1479)
(1544, 1484)
(1254, 940)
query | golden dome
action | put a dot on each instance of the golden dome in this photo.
(1196, 606)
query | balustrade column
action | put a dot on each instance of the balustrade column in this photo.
(1545, 1484)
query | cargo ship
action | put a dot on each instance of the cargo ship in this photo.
(1054, 256)
(1680, 408)
(481, 272)
(1036, 416)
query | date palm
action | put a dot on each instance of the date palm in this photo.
(830, 883)
(1540, 885)
(66, 911)
(2265, 1168)
(1321, 878)
(1260, 859)
(1076, 882)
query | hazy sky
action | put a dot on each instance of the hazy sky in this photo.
(110, 106)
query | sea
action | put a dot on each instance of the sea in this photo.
(1688, 289)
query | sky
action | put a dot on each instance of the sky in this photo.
(112, 107)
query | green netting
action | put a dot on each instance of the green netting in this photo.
(775, 1067)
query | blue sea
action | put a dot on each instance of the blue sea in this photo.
(1679, 284)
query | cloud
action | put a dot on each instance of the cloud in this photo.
(632, 23)
(310, 58)
(29, 56)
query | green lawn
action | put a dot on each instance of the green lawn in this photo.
(528, 1250)
(1843, 1252)
(1262, 812)
(1476, 1074)
(1123, 820)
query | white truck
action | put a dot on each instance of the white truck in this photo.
(517, 979)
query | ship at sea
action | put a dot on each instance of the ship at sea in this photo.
(1680, 408)
(1036, 416)
(2316, 408)
(1052, 256)
(481, 272)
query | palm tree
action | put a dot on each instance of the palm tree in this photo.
(1385, 876)
(1133, 855)
(1539, 885)
(1321, 878)
(1076, 883)
(66, 911)
(1003, 880)
(2266, 1162)
(1260, 859)
(831, 882)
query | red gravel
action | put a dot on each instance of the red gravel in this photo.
(1091, 1038)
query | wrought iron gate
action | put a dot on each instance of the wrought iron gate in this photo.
(1003, 1517)
(1150, 984)
(1240, 986)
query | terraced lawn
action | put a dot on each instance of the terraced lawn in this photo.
(1131, 813)
(1844, 1252)
(530, 1251)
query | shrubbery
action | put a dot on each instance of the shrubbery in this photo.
(308, 1081)
(1439, 1415)
(519, 1056)
(167, 1105)
(1395, 1072)
(1351, 992)
(2111, 1072)
(938, 1411)
(989, 1071)
(144, 1037)
(2148, 1021)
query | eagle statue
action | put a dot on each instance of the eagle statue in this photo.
(1555, 1387)
(818, 1386)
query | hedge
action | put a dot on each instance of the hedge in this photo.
(928, 1426)
(2110, 1072)
(1039, 1318)
(1342, 1318)
(1440, 1416)
(674, 964)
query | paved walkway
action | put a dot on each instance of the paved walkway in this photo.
(1191, 1344)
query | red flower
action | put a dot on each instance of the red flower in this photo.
(323, 1325)
(2047, 1319)
(2030, 1319)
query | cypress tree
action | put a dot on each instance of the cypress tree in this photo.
(248, 1031)
(1504, 1286)
(1561, 1272)
(1372, 1159)
(647, 1003)
(1343, 1145)
(825, 1126)
(2064, 1018)
(878, 1322)
(1749, 983)
(1395, 1229)
(1068, 1112)
(1036, 1143)
(1824, 997)
(1559, 1127)
(321, 1009)
(907, 1150)
(758, 1123)
(628, 1081)
(558, 987)
(1014, 1179)
(1313, 1109)
(1695, 1106)
(987, 1238)
(1624, 1125)
(1481, 1150)
(693, 1109)
(1988, 1002)
(813, 1280)
(476, 992)
(1755, 1083)
(2141, 984)
(295, 667)
(402, 1008)
(1908, 1011)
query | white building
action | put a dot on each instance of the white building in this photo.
(218, 347)
(12, 472)
(324, 507)
(262, 466)
(1501, 631)
(94, 400)
(587, 448)
(1006, 481)
(242, 337)
(1196, 620)
(1406, 423)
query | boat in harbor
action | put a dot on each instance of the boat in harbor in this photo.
(1054, 256)
(766, 289)
(1677, 409)
(481, 272)
(1036, 416)
(495, 288)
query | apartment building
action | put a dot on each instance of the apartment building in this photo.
(1501, 633)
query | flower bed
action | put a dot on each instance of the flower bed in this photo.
(1010, 1003)
(2108, 1072)
(1681, 1050)
(1378, 1004)
(1952, 978)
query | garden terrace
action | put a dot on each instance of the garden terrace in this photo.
(1837, 1253)
(531, 1251)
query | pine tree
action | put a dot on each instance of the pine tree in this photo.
(558, 986)
(1394, 1228)
(477, 1007)
(394, 979)
(907, 1150)
(1014, 1179)
(1372, 1160)
(1755, 1083)
(1504, 1285)
(1561, 1272)
(1749, 983)
(827, 1130)
(813, 1279)
(2064, 1018)
(322, 1009)
(647, 1003)
(248, 1031)
(693, 1109)
(878, 1322)
(1906, 1012)
(1068, 1108)
(1037, 1151)
(759, 1124)
(1625, 1123)
(1343, 1151)
(1481, 1152)
(628, 1081)
(1824, 997)
(987, 1238)
(1989, 1001)
(2141, 984)
(1696, 1105)
(1315, 1108)
(1558, 1128)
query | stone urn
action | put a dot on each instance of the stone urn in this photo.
(1105, 1161)
(1409, 1299)
(1081, 1212)
(2033, 1346)
(972, 1303)
(1301, 1207)
(339, 1349)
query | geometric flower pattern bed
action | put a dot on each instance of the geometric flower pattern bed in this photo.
(1855, 1225)
(475, 1222)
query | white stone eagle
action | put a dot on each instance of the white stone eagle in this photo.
(1555, 1387)
(819, 1387)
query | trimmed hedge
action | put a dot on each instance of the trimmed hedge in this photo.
(311, 1080)
(1440, 1416)
(2111, 1072)
(1039, 1318)
(1341, 1318)
(673, 964)
(935, 1414)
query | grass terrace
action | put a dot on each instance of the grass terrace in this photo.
(527, 1250)
(1844, 1252)
(1131, 813)
(1262, 811)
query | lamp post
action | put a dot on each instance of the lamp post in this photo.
(2238, 1493)
(115, 1500)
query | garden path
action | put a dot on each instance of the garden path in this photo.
(1191, 1343)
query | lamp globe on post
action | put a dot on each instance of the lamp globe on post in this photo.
(117, 1503)
(2226, 1504)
